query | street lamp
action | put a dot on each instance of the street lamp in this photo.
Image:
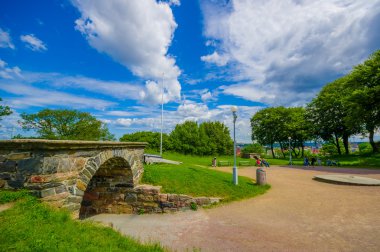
(290, 152)
(162, 111)
(234, 169)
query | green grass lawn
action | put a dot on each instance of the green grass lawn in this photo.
(352, 160)
(195, 177)
(32, 226)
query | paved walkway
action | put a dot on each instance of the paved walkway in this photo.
(297, 214)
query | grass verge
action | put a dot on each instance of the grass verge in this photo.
(33, 226)
(200, 181)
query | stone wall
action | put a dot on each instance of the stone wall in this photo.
(140, 199)
(87, 177)
(60, 171)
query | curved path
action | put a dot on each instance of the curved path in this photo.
(296, 214)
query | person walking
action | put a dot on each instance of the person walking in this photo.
(313, 161)
(306, 161)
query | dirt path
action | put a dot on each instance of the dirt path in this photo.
(6, 206)
(297, 214)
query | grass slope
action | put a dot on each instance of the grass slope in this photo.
(194, 178)
(32, 226)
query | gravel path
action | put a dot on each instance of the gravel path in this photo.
(296, 214)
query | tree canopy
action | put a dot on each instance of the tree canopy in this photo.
(363, 100)
(63, 124)
(4, 110)
(152, 138)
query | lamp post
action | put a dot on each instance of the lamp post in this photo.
(162, 111)
(290, 152)
(234, 169)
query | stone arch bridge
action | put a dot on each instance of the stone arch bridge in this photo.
(86, 177)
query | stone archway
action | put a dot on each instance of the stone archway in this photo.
(105, 192)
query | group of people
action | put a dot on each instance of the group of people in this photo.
(312, 161)
(261, 162)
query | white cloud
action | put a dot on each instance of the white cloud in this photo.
(216, 58)
(5, 40)
(206, 96)
(136, 33)
(174, 2)
(123, 122)
(33, 43)
(29, 96)
(9, 72)
(120, 90)
(279, 49)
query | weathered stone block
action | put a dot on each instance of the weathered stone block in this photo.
(150, 204)
(50, 165)
(16, 181)
(81, 185)
(3, 183)
(56, 197)
(173, 197)
(72, 207)
(47, 192)
(6, 176)
(87, 173)
(30, 166)
(60, 189)
(131, 198)
(202, 201)
(167, 204)
(18, 156)
(79, 163)
(75, 199)
(8, 166)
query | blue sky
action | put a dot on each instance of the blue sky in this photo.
(111, 57)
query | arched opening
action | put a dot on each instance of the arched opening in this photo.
(106, 190)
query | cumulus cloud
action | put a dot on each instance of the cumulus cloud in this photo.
(137, 34)
(278, 49)
(33, 43)
(9, 72)
(5, 40)
(216, 58)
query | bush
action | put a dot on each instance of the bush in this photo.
(365, 148)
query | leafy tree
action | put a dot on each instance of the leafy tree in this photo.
(185, 137)
(365, 148)
(216, 139)
(152, 138)
(4, 110)
(253, 148)
(267, 126)
(329, 148)
(363, 100)
(329, 114)
(298, 128)
(209, 138)
(66, 124)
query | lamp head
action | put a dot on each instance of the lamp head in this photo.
(289, 138)
(234, 108)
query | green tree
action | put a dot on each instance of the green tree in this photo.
(363, 100)
(4, 110)
(209, 138)
(267, 126)
(216, 139)
(329, 114)
(185, 137)
(65, 124)
(152, 138)
(253, 148)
